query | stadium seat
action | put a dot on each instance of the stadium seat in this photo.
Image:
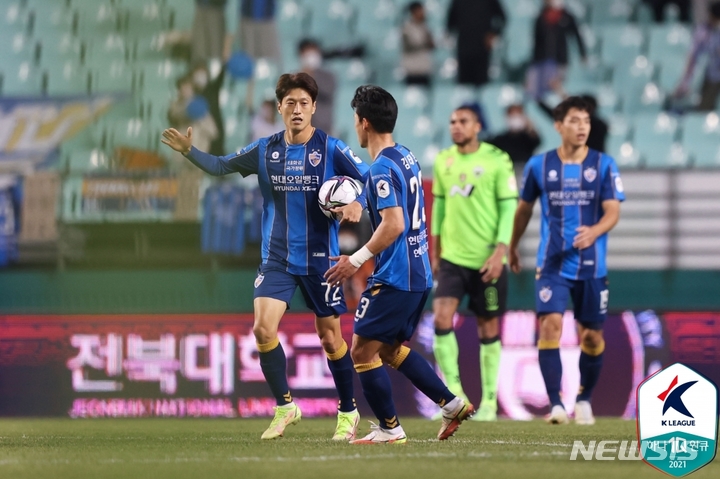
(617, 143)
(445, 98)
(620, 42)
(67, 78)
(21, 80)
(330, 22)
(57, 47)
(655, 139)
(344, 122)
(104, 50)
(131, 133)
(518, 41)
(495, 98)
(97, 17)
(669, 40)
(353, 71)
(611, 11)
(18, 49)
(49, 16)
(292, 20)
(117, 77)
(648, 98)
(544, 125)
(160, 75)
(150, 48)
(632, 81)
(146, 20)
(701, 138)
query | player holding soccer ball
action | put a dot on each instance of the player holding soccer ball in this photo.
(580, 191)
(398, 289)
(298, 240)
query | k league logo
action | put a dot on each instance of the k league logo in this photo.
(677, 420)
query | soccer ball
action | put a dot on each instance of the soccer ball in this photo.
(338, 191)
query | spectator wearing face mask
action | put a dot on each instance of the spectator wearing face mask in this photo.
(520, 139)
(311, 58)
(550, 54)
(209, 89)
(266, 122)
(706, 42)
(190, 109)
(418, 46)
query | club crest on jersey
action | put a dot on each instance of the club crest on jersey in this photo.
(275, 155)
(552, 175)
(545, 294)
(314, 157)
(478, 171)
(590, 174)
(259, 280)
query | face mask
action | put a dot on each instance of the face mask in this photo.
(200, 78)
(311, 60)
(516, 122)
(186, 91)
(556, 3)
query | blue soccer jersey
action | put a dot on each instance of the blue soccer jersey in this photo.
(396, 180)
(571, 196)
(296, 235)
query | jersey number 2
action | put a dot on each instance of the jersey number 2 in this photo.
(415, 185)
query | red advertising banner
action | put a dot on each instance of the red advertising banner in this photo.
(208, 366)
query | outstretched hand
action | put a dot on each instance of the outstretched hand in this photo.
(177, 141)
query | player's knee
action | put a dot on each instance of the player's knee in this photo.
(327, 339)
(264, 334)
(591, 338)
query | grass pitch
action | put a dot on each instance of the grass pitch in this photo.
(188, 448)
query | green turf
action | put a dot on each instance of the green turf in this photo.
(178, 449)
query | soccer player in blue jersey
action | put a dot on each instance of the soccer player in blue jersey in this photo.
(390, 307)
(297, 240)
(580, 191)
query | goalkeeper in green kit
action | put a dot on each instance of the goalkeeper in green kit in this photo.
(475, 199)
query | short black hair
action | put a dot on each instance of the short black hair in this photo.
(472, 108)
(377, 106)
(306, 43)
(591, 101)
(414, 6)
(579, 103)
(290, 81)
(714, 10)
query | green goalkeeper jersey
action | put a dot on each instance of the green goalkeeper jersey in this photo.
(471, 192)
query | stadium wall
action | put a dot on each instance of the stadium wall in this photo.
(198, 291)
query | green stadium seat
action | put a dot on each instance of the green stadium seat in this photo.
(146, 20)
(655, 139)
(106, 49)
(117, 77)
(648, 98)
(445, 98)
(292, 20)
(611, 11)
(67, 78)
(132, 133)
(17, 49)
(21, 80)
(544, 125)
(620, 42)
(669, 40)
(344, 122)
(701, 138)
(57, 47)
(330, 21)
(518, 41)
(96, 17)
(495, 98)
(353, 71)
(49, 16)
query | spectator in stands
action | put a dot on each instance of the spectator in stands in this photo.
(311, 58)
(208, 30)
(477, 24)
(550, 53)
(658, 9)
(209, 89)
(705, 42)
(191, 109)
(520, 139)
(258, 32)
(266, 122)
(177, 116)
(418, 46)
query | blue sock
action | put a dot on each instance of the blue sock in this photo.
(551, 368)
(341, 367)
(422, 375)
(591, 361)
(274, 368)
(378, 393)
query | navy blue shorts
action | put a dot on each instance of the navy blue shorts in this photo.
(589, 297)
(324, 300)
(388, 315)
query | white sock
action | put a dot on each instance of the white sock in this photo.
(288, 405)
(452, 405)
(354, 411)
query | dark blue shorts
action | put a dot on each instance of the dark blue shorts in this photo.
(324, 300)
(589, 297)
(388, 315)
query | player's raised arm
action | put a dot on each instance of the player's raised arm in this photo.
(244, 162)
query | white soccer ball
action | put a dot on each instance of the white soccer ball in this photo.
(338, 191)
